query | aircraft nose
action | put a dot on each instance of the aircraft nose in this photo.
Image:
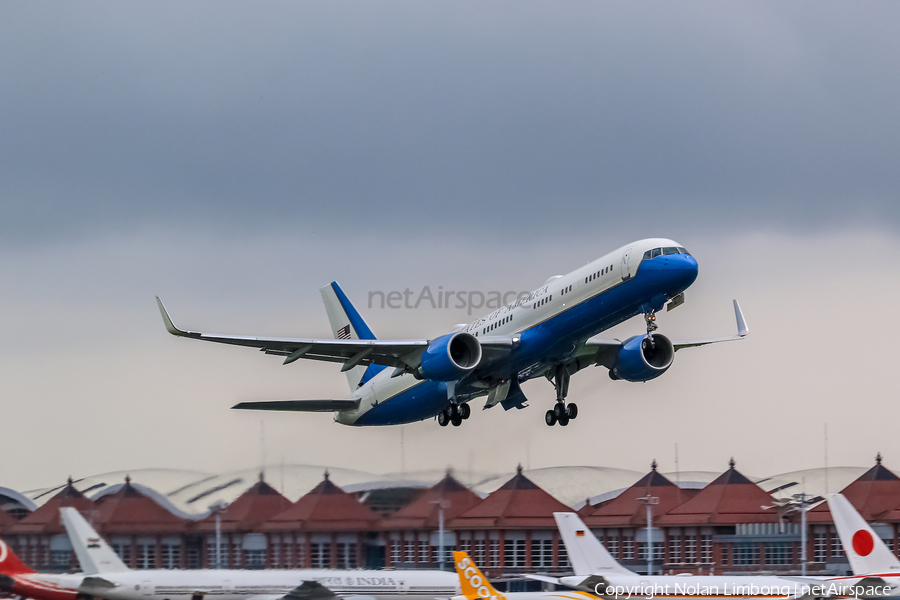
(685, 269)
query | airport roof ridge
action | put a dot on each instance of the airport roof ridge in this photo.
(326, 505)
(259, 503)
(447, 494)
(628, 504)
(129, 508)
(875, 494)
(730, 499)
(46, 518)
(517, 503)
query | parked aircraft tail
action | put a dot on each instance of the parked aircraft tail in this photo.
(586, 554)
(474, 584)
(94, 554)
(10, 563)
(348, 324)
(868, 554)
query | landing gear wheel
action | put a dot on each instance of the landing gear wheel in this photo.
(464, 411)
(550, 418)
(559, 410)
(572, 410)
(443, 418)
(456, 420)
(563, 420)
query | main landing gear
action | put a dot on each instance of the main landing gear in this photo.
(561, 413)
(455, 413)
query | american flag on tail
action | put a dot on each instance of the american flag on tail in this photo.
(344, 332)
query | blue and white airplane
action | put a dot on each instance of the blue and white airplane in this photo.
(548, 333)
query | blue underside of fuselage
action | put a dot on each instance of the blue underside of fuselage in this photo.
(557, 338)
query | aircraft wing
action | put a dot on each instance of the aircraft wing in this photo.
(742, 331)
(603, 351)
(301, 405)
(403, 354)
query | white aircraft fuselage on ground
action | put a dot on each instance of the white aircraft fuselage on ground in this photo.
(546, 333)
(234, 584)
(105, 576)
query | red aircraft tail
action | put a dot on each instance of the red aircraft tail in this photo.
(10, 563)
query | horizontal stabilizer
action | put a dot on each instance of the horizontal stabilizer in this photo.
(301, 405)
(544, 578)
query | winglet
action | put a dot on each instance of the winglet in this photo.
(739, 317)
(170, 327)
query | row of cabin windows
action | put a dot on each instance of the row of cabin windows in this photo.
(565, 290)
(664, 252)
(493, 326)
(602, 271)
(542, 301)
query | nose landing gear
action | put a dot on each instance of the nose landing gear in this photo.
(455, 413)
(650, 320)
(561, 413)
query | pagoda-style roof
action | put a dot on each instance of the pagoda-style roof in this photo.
(128, 510)
(628, 509)
(326, 508)
(249, 510)
(519, 503)
(46, 520)
(875, 494)
(424, 511)
(730, 499)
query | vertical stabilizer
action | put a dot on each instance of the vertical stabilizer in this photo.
(94, 554)
(474, 584)
(10, 563)
(348, 324)
(586, 554)
(867, 552)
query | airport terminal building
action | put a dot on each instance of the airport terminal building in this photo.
(730, 524)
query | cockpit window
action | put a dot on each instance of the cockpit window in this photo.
(664, 252)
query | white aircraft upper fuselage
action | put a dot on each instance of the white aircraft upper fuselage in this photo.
(403, 381)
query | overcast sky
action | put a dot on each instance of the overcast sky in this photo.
(233, 157)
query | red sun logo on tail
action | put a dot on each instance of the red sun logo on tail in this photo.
(863, 542)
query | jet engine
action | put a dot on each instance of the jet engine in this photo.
(641, 360)
(450, 356)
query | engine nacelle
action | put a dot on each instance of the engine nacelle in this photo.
(450, 356)
(639, 361)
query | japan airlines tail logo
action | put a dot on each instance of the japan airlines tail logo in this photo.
(474, 584)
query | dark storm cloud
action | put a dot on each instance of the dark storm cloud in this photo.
(445, 115)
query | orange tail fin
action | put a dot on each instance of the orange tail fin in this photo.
(474, 584)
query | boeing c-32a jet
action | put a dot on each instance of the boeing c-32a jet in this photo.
(547, 333)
